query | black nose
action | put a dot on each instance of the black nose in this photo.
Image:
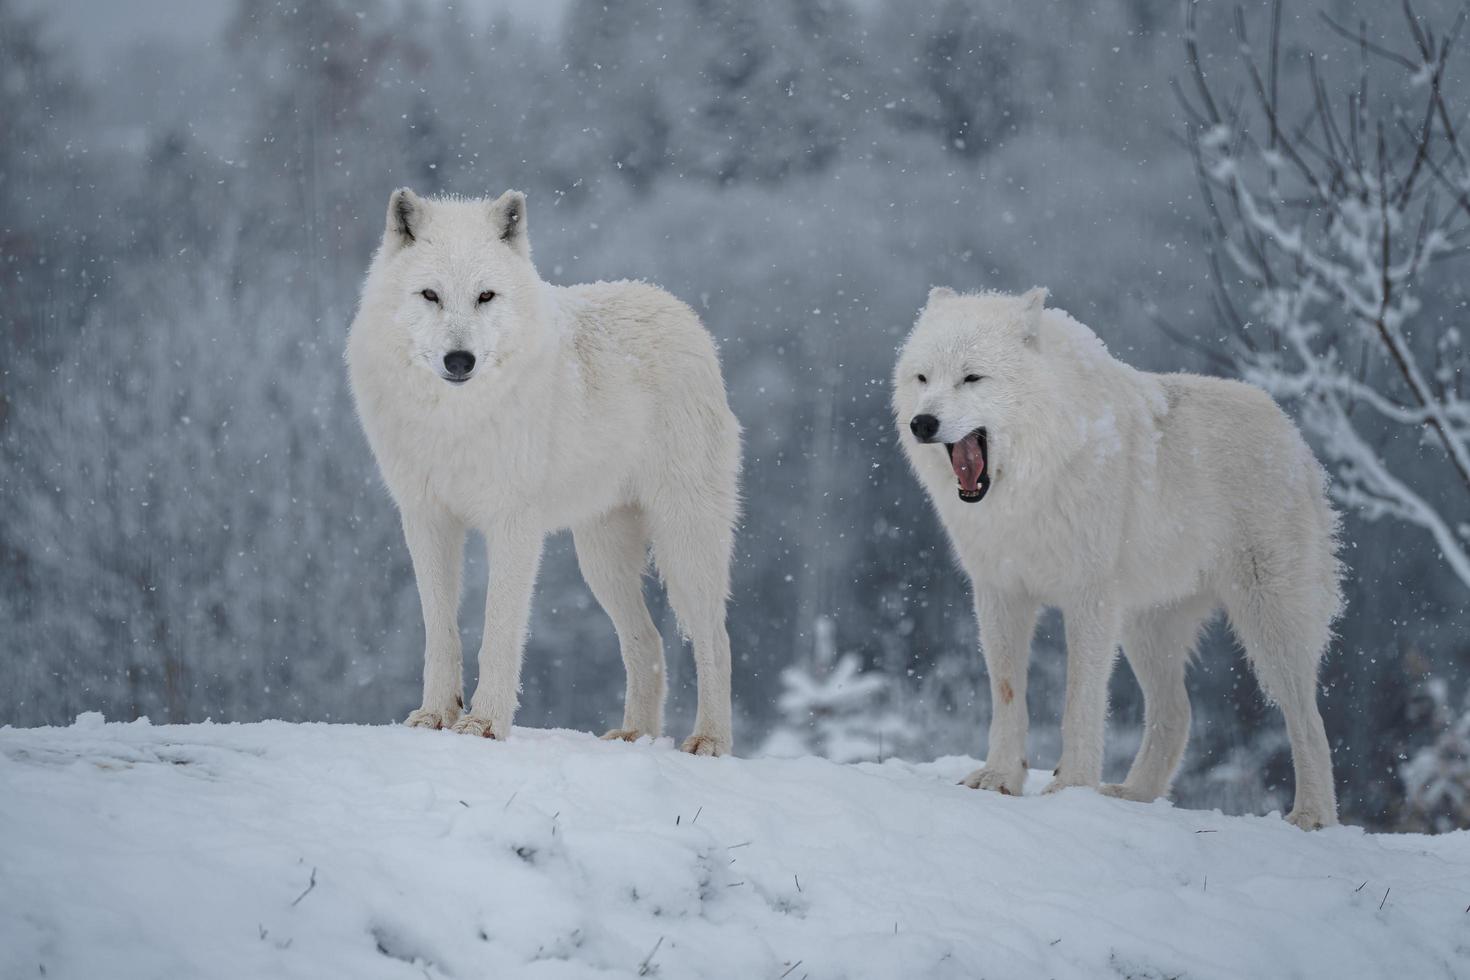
(924, 427)
(459, 364)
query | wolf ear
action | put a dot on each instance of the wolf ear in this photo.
(508, 218)
(1033, 301)
(940, 292)
(405, 217)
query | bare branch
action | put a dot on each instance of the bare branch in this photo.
(1361, 38)
(1326, 230)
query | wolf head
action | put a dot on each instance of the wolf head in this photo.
(964, 377)
(458, 278)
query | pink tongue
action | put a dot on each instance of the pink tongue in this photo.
(968, 462)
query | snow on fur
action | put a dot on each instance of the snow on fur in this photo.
(321, 850)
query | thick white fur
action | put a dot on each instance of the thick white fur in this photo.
(596, 407)
(1139, 504)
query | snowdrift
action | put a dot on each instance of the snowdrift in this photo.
(277, 850)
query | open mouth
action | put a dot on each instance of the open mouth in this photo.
(968, 458)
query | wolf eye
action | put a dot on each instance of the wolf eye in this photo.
(485, 297)
(923, 380)
(972, 378)
(429, 295)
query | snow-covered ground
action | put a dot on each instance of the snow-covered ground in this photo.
(278, 850)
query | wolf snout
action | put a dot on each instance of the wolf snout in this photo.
(924, 427)
(458, 366)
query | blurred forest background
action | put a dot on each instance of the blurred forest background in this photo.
(191, 526)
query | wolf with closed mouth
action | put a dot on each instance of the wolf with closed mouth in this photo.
(1140, 505)
(498, 402)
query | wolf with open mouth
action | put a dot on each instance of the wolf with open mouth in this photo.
(1138, 504)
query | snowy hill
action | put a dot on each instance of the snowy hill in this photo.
(278, 850)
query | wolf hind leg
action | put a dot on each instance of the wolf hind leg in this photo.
(1158, 644)
(692, 541)
(1285, 632)
(612, 551)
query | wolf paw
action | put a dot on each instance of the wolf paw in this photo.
(1123, 791)
(1061, 782)
(702, 744)
(476, 725)
(1310, 818)
(424, 718)
(1006, 783)
(622, 735)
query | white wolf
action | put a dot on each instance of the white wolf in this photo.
(495, 401)
(1139, 504)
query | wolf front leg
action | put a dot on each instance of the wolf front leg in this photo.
(436, 545)
(1006, 625)
(1092, 644)
(515, 555)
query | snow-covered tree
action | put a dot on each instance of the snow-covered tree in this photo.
(1437, 777)
(833, 708)
(965, 89)
(1339, 236)
(750, 92)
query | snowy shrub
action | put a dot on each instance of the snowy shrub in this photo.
(833, 708)
(1437, 777)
